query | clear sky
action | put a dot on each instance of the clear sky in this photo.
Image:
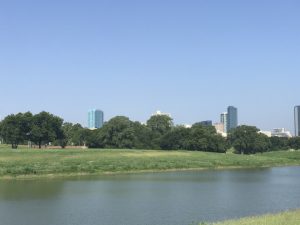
(191, 58)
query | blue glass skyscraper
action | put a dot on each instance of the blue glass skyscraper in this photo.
(232, 118)
(95, 119)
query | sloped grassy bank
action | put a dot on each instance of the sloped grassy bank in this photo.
(34, 163)
(284, 218)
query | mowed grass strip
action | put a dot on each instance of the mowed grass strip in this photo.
(35, 162)
(284, 218)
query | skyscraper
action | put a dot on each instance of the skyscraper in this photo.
(95, 118)
(232, 118)
(223, 120)
(297, 120)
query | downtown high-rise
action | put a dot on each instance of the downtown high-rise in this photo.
(95, 119)
(223, 120)
(297, 120)
(232, 118)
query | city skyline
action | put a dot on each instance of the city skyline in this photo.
(192, 60)
(96, 120)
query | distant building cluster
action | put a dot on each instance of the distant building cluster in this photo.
(282, 132)
(277, 132)
(228, 121)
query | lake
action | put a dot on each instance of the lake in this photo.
(171, 198)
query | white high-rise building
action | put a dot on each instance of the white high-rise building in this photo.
(223, 120)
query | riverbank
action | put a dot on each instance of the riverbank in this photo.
(284, 218)
(51, 163)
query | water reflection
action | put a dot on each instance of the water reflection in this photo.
(21, 190)
(176, 198)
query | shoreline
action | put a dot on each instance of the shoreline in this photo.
(72, 176)
(288, 217)
(74, 163)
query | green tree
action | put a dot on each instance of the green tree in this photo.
(46, 128)
(15, 129)
(61, 139)
(217, 143)
(93, 138)
(294, 143)
(79, 135)
(175, 139)
(118, 133)
(75, 134)
(68, 131)
(279, 143)
(205, 138)
(261, 143)
(247, 140)
(143, 136)
(160, 124)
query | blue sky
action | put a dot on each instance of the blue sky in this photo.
(191, 58)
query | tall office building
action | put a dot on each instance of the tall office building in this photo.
(95, 119)
(223, 120)
(297, 120)
(232, 118)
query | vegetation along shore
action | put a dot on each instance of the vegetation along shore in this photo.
(283, 218)
(114, 148)
(34, 163)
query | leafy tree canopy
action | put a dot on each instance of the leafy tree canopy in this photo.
(46, 128)
(247, 140)
(15, 129)
(118, 133)
(160, 124)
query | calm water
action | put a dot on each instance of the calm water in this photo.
(177, 198)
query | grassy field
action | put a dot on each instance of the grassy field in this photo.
(285, 218)
(28, 163)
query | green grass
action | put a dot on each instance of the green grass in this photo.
(285, 218)
(29, 163)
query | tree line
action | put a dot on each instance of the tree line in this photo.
(247, 140)
(120, 132)
(41, 128)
